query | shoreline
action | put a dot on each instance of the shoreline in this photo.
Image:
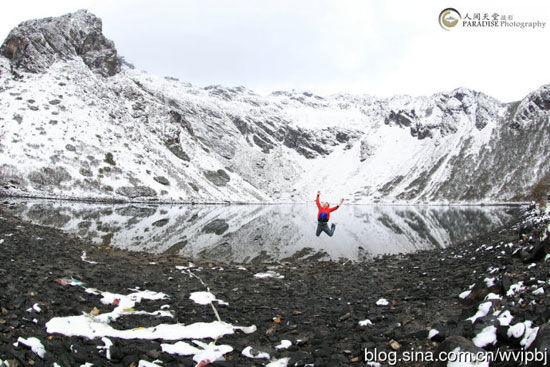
(160, 202)
(316, 306)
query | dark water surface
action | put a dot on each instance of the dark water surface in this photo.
(264, 233)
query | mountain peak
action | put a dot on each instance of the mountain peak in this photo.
(34, 45)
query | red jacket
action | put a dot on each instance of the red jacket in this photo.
(324, 210)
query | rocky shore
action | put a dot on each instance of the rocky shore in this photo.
(65, 302)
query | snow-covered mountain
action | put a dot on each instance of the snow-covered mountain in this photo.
(77, 122)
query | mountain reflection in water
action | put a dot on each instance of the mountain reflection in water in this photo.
(264, 233)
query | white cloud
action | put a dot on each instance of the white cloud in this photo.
(380, 48)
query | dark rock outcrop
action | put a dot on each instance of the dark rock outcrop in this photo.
(218, 178)
(135, 192)
(36, 44)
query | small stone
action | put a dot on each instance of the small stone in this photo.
(394, 345)
(345, 317)
(162, 180)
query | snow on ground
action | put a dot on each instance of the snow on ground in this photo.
(250, 352)
(202, 352)
(205, 298)
(284, 344)
(505, 318)
(143, 363)
(84, 258)
(35, 344)
(515, 288)
(269, 274)
(529, 334)
(486, 336)
(489, 282)
(492, 296)
(93, 326)
(282, 362)
(483, 310)
(458, 359)
(432, 333)
(107, 347)
(365, 322)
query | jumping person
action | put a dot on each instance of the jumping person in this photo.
(324, 215)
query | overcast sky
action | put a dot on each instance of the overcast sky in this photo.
(381, 48)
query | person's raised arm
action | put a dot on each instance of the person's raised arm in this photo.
(317, 200)
(337, 206)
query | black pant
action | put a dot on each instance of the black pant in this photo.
(323, 227)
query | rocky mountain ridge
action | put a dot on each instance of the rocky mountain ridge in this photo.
(79, 123)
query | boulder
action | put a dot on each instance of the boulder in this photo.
(218, 178)
(33, 46)
(460, 344)
(541, 346)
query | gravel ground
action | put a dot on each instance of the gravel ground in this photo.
(317, 306)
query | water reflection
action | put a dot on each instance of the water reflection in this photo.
(263, 233)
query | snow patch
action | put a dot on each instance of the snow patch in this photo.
(482, 310)
(486, 336)
(283, 362)
(491, 296)
(107, 347)
(365, 322)
(285, 344)
(514, 288)
(250, 352)
(205, 298)
(467, 360)
(143, 363)
(505, 318)
(83, 258)
(35, 344)
(529, 335)
(203, 352)
(432, 333)
(90, 326)
(269, 274)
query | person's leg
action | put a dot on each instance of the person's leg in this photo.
(319, 229)
(327, 230)
(332, 229)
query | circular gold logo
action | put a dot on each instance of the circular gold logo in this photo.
(448, 18)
